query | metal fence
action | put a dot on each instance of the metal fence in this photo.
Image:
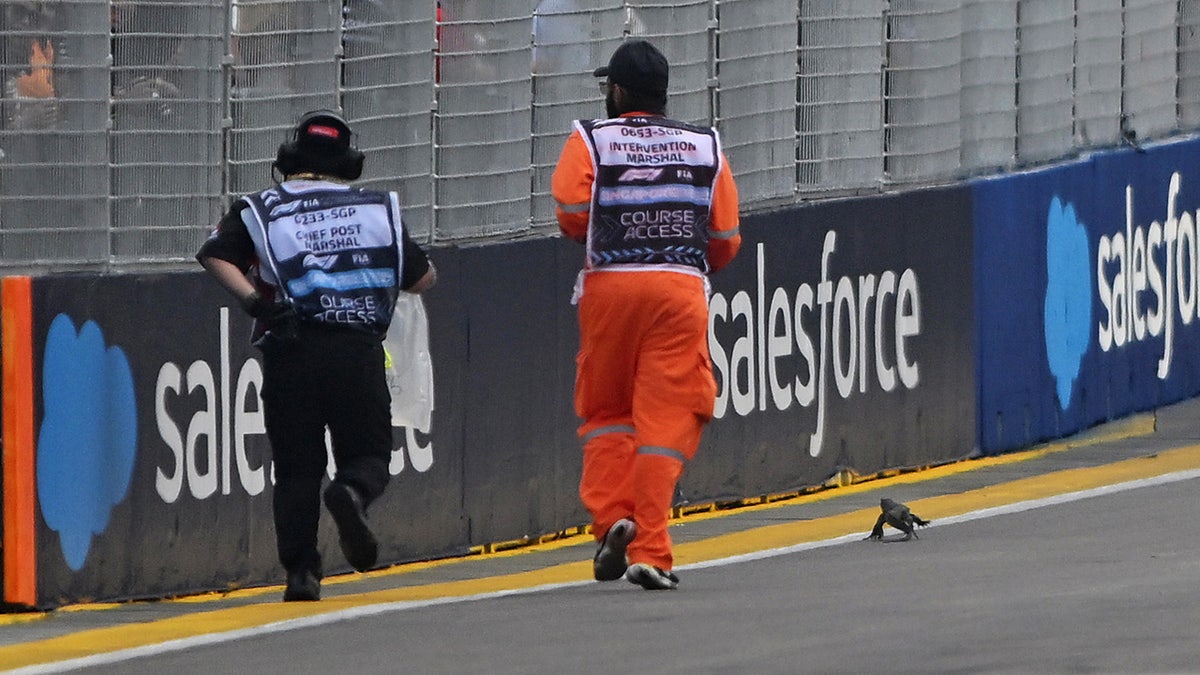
(126, 126)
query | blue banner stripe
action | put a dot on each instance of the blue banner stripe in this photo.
(653, 194)
(342, 281)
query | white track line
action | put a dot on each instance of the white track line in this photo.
(388, 607)
(1016, 507)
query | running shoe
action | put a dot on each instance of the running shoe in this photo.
(358, 543)
(651, 578)
(610, 563)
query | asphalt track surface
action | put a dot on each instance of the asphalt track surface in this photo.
(1078, 556)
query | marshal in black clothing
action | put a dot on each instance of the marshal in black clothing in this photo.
(319, 265)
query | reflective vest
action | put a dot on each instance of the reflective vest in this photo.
(652, 193)
(334, 251)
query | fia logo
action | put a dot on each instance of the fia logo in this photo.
(361, 259)
(684, 174)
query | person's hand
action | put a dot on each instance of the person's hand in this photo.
(280, 318)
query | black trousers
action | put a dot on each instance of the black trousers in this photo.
(327, 378)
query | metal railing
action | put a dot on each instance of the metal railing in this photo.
(127, 126)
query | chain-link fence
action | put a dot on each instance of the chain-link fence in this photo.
(126, 126)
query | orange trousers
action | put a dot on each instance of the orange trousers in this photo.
(644, 388)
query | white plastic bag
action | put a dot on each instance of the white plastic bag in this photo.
(409, 366)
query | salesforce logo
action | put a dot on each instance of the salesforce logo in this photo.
(1068, 308)
(1148, 279)
(88, 439)
(843, 335)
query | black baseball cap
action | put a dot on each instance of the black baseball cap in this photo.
(637, 65)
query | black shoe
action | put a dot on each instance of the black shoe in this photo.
(358, 543)
(610, 562)
(302, 585)
(651, 578)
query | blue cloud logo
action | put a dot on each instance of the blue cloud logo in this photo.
(1068, 308)
(88, 439)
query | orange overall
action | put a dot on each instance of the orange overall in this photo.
(644, 386)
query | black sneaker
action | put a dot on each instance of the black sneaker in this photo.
(358, 543)
(651, 578)
(610, 563)
(303, 586)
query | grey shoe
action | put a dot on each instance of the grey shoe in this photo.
(610, 563)
(651, 578)
(358, 543)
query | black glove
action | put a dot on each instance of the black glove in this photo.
(280, 318)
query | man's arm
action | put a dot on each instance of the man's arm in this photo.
(419, 273)
(571, 186)
(228, 253)
(426, 281)
(724, 238)
(232, 279)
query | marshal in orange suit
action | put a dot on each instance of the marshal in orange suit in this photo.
(654, 203)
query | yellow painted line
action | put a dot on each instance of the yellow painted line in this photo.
(21, 617)
(110, 639)
(1130, 427)
(115, 638)
(1134, 426)
(944, 506)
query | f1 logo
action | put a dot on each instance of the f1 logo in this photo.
(648, 175)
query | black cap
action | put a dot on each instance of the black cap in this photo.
(637, 65)
(323, 128)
